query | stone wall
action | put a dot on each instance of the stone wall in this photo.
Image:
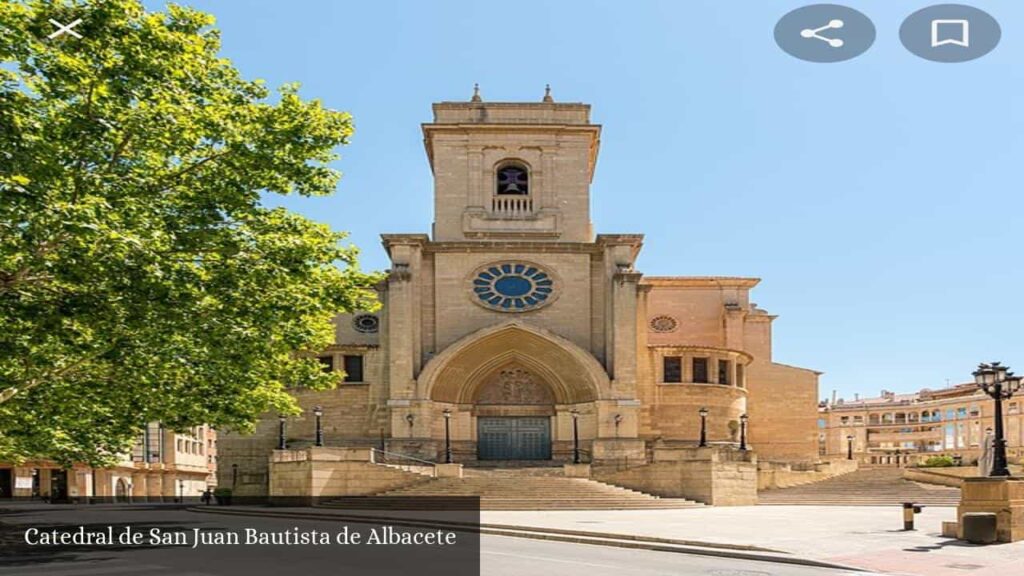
(714, 476)
(316, 474)
(772, 475)
(1003, 497)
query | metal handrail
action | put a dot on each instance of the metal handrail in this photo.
(386, 454)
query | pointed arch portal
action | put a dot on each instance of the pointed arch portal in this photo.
(458, 374)
(517, 380)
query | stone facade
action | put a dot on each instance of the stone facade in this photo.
(525, 326)
(911, 427)
(163, 466)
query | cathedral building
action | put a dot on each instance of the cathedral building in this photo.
(518, 329)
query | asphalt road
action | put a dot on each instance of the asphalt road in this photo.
(497, 555)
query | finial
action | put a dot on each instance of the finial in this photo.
(547, 93)
(476, 94)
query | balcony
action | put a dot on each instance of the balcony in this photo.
(906, 436)
(511, 206)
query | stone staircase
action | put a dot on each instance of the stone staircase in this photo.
(542, 488)
(865, 487)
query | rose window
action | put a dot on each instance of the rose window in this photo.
(513, 287)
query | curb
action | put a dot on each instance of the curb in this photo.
(559, 535)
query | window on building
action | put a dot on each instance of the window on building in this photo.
(673, 369)
(821, 423)
(740, 380)
(844, 420)
(975, 412)
(961, 412)
(700, 370)
(513, 179)
(950, 414)
(327, 363)
(723, 372)
(1013, 408)
(858, 420)
(353, 368)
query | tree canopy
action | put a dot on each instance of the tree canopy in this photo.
(142, 277)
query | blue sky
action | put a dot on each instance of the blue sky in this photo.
(879, 199)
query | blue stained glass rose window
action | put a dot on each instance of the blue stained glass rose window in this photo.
(512, 287)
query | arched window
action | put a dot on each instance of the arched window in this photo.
(513, 180)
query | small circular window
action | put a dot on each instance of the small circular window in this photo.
(664, 324)
(513, 287)
(366, 323)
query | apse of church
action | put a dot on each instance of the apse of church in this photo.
(522, 324)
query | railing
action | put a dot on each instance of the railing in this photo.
(509, 206)
(403, 461)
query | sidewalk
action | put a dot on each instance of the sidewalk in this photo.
(862, 536)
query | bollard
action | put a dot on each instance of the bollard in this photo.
(909, 509)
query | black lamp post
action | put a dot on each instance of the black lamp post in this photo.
(849, 447)
(575, 435)
(282, 444)
(743, 431)
(318, 411)
(447, 436)
(703, 427)
(1000, 384)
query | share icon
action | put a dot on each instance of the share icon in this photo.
(814, 33)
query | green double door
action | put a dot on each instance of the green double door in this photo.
(513, 438)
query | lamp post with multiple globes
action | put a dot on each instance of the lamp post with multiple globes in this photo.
(999, 383)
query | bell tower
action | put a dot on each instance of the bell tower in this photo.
(512, 170)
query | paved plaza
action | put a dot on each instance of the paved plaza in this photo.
(867, 537)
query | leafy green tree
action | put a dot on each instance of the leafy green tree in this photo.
(141, 277)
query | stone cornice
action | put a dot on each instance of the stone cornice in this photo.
(702, 350)
(516, 246)
(701, 282)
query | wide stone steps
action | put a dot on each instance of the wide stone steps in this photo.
(866, 487)
(526, 490)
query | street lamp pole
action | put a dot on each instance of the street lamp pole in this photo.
(999, 384)
(447, 436)
(703, 427)
(318, 411)
(282, 444)
(849, 447)
(575, 436)
(743, 431)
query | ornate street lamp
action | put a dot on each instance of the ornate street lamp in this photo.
(318, 411)
(1000, 384)
(575, 435)
(743, 431)
(849, 447)
(447, 436)
(282, 444)
(703, 427)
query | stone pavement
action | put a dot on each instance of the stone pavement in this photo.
(863, 536)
